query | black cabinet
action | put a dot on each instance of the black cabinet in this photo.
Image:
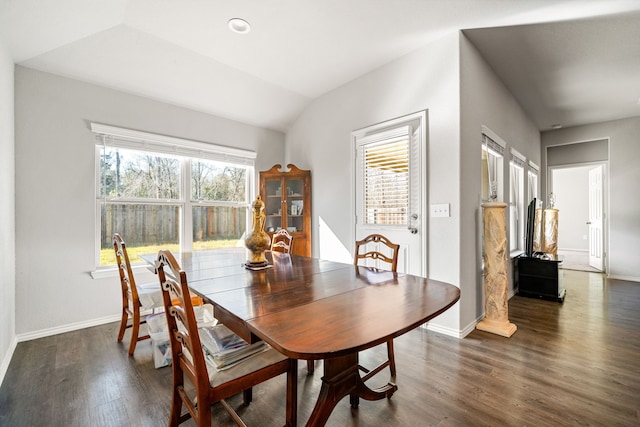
(538, 278)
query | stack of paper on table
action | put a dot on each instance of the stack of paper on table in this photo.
(224, 349)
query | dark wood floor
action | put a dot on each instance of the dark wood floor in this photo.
(571, 364)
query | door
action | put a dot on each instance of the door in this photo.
(595, 221)
(388, 189)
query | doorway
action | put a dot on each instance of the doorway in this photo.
(579, 192)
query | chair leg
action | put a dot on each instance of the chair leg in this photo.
(135, 329)
(176, 408)
(392, 358)
(123, 324)
(311, 366)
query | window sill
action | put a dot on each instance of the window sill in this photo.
(516, 253)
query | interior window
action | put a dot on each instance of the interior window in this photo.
(516, 201)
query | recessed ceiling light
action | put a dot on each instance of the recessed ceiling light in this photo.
(239, 25)
(556, 126)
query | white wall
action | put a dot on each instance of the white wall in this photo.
(484, 101)
(624, 176)
(55, 197)
(319, 140)
(7, 213)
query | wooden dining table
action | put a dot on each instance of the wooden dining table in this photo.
(313, 309)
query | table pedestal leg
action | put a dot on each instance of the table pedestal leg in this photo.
(341, 378)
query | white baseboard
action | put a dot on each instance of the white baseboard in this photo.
(7, 359)
(67, 328)
(627, 278)
(442, 330)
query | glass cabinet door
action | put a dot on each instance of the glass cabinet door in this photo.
(295, 205)
(273, 204)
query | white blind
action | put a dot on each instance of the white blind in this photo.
(517, 159)
(127, 138)
(492, 145)
(386, 180)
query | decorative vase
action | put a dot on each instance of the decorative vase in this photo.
(258, 241)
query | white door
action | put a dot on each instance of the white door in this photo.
(595, 222)
(388, 189)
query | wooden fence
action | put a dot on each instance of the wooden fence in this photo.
(156, 225)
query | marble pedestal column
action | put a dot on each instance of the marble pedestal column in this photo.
(496, 318)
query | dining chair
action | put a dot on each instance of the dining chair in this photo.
(378, 248)
(282, 241)
(208, 385)
(137, 300)
(369, 249)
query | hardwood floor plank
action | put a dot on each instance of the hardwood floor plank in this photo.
(570, 364)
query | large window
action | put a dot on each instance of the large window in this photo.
(516, 201)
(167, 193)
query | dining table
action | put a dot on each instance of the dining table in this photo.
(313, 309)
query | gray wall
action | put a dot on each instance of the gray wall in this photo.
(485, 101)
(582, 152)
(624, 175)
(461, 93)
(7, 213)
(427, 79)
(55, 196)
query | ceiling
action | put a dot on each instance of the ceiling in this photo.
(567, 61)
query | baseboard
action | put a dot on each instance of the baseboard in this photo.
(7, 359)
(442, 330)
(627, 278)
(67, 328)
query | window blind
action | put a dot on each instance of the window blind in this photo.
(386, 179)
(517, 159)
(127, 138)
(492, 145)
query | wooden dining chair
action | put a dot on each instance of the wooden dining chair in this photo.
(211, 386)
(282, 241)
(370, 248)
(137, 300)
(380, 250)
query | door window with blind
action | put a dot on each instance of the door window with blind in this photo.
(386, 180)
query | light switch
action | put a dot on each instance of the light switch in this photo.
(440, 210)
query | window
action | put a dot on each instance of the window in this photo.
(533, 181)
(492, 169)
(516, 201)
(167, 193)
